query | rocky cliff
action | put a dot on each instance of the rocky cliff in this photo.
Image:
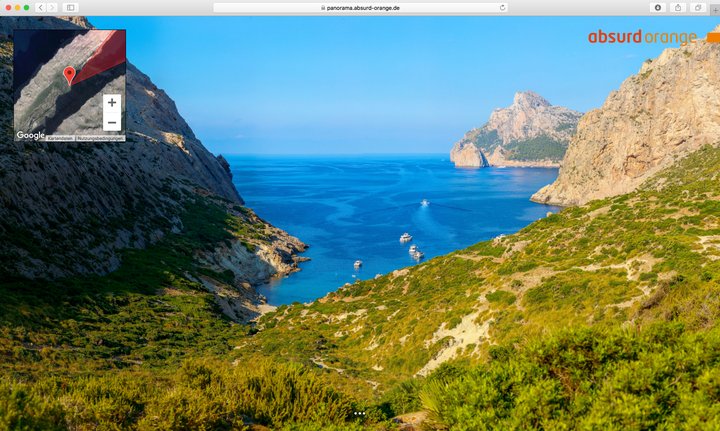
(71, 208)
(530, 132)
(669, 109)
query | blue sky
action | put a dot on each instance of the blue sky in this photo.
(324, 85)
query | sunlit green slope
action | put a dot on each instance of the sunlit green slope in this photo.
(652, 255)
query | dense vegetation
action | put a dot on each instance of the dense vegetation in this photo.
(199, 395)
(538, 148)
(660, 378)
(602, 316)
(485, 140)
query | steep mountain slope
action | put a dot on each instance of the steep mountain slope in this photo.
(652, 255)
(143, 346)
(92, 200)
(530, 132)
(669, 109)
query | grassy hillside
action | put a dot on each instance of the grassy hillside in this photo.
(141, 313)
(597, 317)
(147, 346)
(650, 256)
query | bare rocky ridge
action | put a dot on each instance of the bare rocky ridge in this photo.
(530, 132)
(668, 110)
(69, 208)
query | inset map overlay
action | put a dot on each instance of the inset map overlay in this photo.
(60, 78)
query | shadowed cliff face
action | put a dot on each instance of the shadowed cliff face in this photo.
(668, 110)
(67, 208)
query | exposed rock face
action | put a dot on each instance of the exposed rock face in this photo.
(8, 24)
(468, 156)
(69, 208)
(273, 256)
(530, 132)
(270, 259)
(669, 109)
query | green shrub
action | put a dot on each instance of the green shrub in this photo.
(660, 378)
(201, 395)
(501, 296)
(21, 409)
(184, 408)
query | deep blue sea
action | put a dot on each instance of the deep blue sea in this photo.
(348, 208)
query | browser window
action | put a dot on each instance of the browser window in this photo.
(346, 215)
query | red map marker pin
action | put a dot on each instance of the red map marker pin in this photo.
(69, 73)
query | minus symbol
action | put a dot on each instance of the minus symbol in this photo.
(112, 122)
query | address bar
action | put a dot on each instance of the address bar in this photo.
(400, 8)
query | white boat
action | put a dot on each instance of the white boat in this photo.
(405, 237)
(417, 255)
(358, 264)
(424, 202)
(413, 249)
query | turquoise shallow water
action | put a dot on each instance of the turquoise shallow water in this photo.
(349, 208)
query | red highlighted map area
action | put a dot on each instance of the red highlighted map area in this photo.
(110, 53)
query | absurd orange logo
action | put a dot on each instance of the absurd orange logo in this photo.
(640, 36)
